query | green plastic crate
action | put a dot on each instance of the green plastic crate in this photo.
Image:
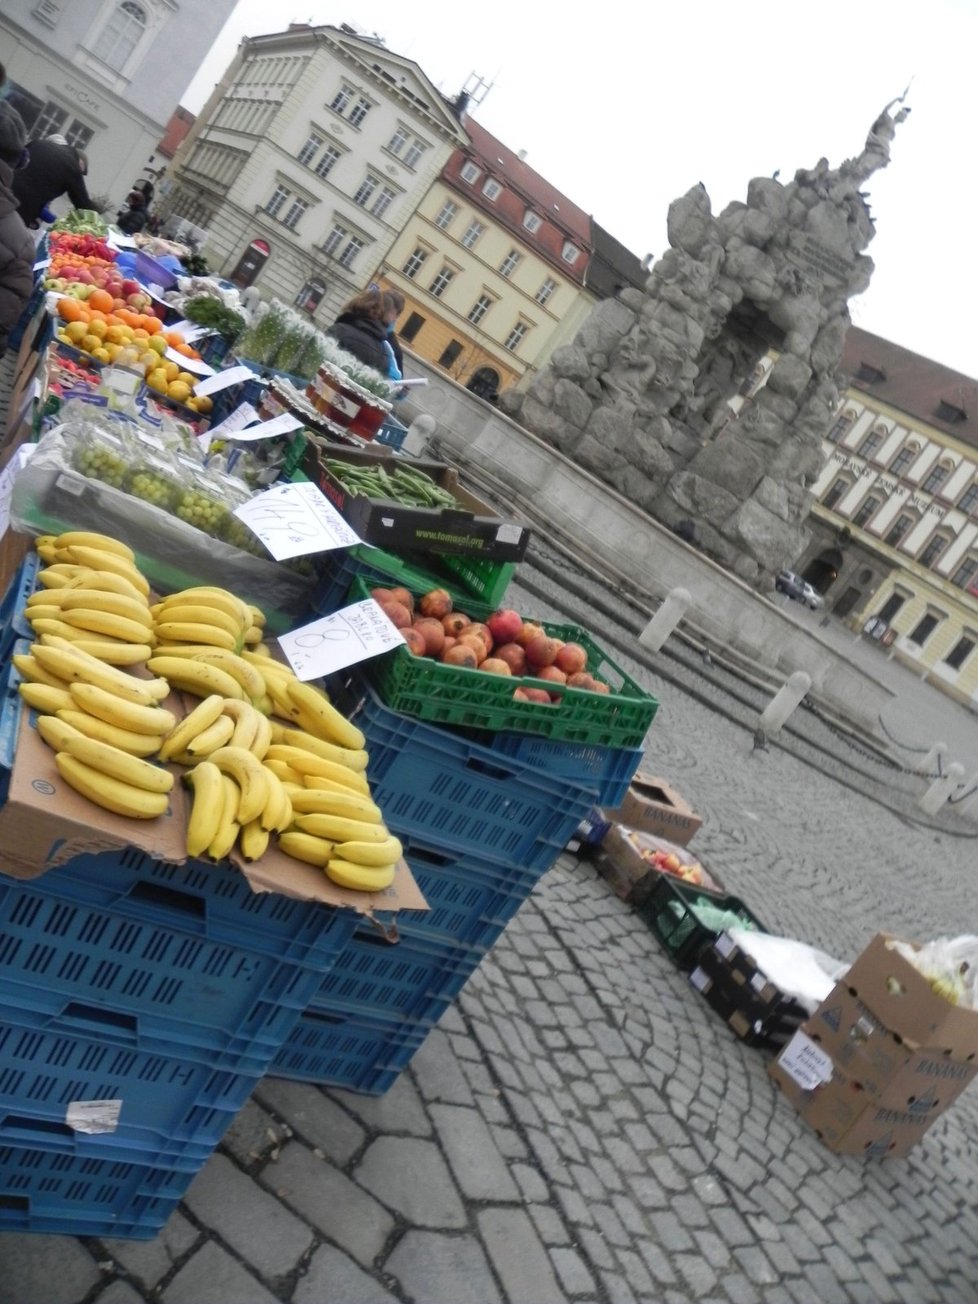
(483, 578)
(473, 699)
(687, 919)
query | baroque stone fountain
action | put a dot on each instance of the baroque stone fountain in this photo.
(704, 399)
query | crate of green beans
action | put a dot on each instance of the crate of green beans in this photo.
(400, 503)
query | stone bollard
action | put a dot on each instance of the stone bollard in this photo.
(931, 764)
(665, 620)
(419, 432)
(937, 794)
(969, 806)
(784, 702)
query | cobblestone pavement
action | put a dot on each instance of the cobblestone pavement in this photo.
(580, 1126)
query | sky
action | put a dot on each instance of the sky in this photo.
(625, 114)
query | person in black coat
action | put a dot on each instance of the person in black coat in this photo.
(134, 217)
(16, 244)
(53, 169)
(361, 329)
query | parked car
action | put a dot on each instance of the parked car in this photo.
(799, 590)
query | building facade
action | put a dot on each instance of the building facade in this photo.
(105, 74)
(306, 161)
(895, 521)
(492, 265)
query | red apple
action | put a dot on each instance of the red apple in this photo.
(505, 625)
(541, 651)
(131, 287)
(494, 666)
(571, 658)
(437, 602)
(460, 655)
(514, 656)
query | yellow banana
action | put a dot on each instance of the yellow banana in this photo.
(252, 635)
(250, 777)
(43, 698)
(247, 676)
(210, 596)
(119, 604)
(244, 722)
(254, 841)
(200, 718)
(30, 668)
(361, 878)
(321, 718)
(228, 827)
(266, 663)
(338, 828)
(306, 763)
(277, 813)
(265, 704)
(108, 624)
(202, 615)
(105, 582)
(373, 854)
(42, 611)
(303, 846)
(257, 615)
(283, 771)
(47, 552)
(316, 783)
(63, 737)
(113, 653)
(54, 578)
(279, 730)
(209, 740)
(112, 794)
(352, 805)
(207, 785)
(100, 560)
(276, 688)
(90, 539)
(261, 650)
(194, 676)
(353, 759)
(179, 631)
(57, 628)
(263, 736)
(62, 658)
(125, 714)
(91, 726)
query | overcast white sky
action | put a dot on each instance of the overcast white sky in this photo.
(625, 107)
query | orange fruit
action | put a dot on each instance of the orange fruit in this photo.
(173, 338)
(140, 335)
(153, 325)
(101, 300)
(70, 309)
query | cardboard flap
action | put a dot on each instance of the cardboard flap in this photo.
(277, 872)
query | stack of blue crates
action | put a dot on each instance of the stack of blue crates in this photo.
(140, 1004)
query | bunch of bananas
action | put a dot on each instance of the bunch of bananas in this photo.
(269, 753)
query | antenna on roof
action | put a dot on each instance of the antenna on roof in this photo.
(476, 88)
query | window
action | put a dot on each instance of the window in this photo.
(869, 375)
(296, 210)
(959, 654)
(870, 444)
(325, 165)
(867, 508)
(492, 189)
(935, 479)
(923, 629)
(308, 151)
(450, 354)
(78, 134)
(472, 233)
(569, 252)
(334, 240)
(969, 499)
(515, 336)
(902, 461)
(52, 118)
(890, 607)
(120, 35)
(950, 413)
(413, 153)
(838, 488)
(470, 173)
(359, 112)
(277, 201)
(480, 308)
(349, 255)
(411, 327)
(509, 263)
(532, 221)
(383, 201)
(365, 190)
(898, 529)
(398, 140)
(933, 550)
(965, 575)
(341, 99)
(310, 296)
(840, 429)
(441, 282)
(413, 265)
(447, 212)
(546, 291)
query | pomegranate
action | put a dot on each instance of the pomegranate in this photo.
(415, 641)
(598, 687)
(505, 625)
(580, 679)
(433, 633)
(382, 595)
(514, 656)
(528, 632)
(475, 642)
(437, 602)
(450, 642)
(396, 613)
(461, 655)
(537, 695)
(571, 658)
(454, 624)
(541, 651)
(552, 675)
(484, 633)
(495, 666)
(404, 595)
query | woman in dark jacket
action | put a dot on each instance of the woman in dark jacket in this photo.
(16, 244)
(54, 168)
(134, 217)
(361, 329)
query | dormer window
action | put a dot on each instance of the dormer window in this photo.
(532, 221)
(492, 189)
(870, 375)
(570, 252)
(950, 413)
(470, 173)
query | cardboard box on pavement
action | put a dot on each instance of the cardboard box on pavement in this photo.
(652, 805)
(620, 861)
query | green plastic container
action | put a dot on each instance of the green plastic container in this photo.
(484, 579)
(686, 920)
(474, 699)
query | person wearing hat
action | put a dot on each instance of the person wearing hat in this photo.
(52, 170)
(133, 217)
(16, 244)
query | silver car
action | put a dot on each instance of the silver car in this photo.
(812, 596)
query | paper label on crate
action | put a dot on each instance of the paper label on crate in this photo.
(295, 520)
(121, 381)
(243, 415)
(805, 1061)
(699, 979)
(508, 533)
(218, 380)
(7, 478)
(344, 404)
(353, 634)
(93, 1115)
(267, 429)
(39, 267)
(724, 944)
(197, 365)
(118, 240)
(758, 982)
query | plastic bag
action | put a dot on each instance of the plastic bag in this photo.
(949, 964)
(799, 970)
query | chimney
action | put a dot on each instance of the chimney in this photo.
(460, 105)
(647, 262)
(522, 156)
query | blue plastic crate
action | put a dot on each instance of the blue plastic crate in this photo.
(609, 769)
(174, 1108)
(335, 1048)
(13, 625)
(74, 1195)
(454, 793)
(392, 433)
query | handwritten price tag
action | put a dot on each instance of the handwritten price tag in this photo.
(280, 425)
(295, 520)
(196, 365)
(222, 379)
(354, 634)
(243, 415)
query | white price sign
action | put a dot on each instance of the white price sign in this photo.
(243, 415)
(196, 365)
(806, 1062)
(280, 425)
(219, 380)
(354, 634)
(295, 520)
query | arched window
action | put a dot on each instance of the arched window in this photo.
(121, 34)
(841, 426)
(936, 477)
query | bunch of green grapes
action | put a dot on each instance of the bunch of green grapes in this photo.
(203, 511)
(98, 463)
(151, 487)
(239, 536)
